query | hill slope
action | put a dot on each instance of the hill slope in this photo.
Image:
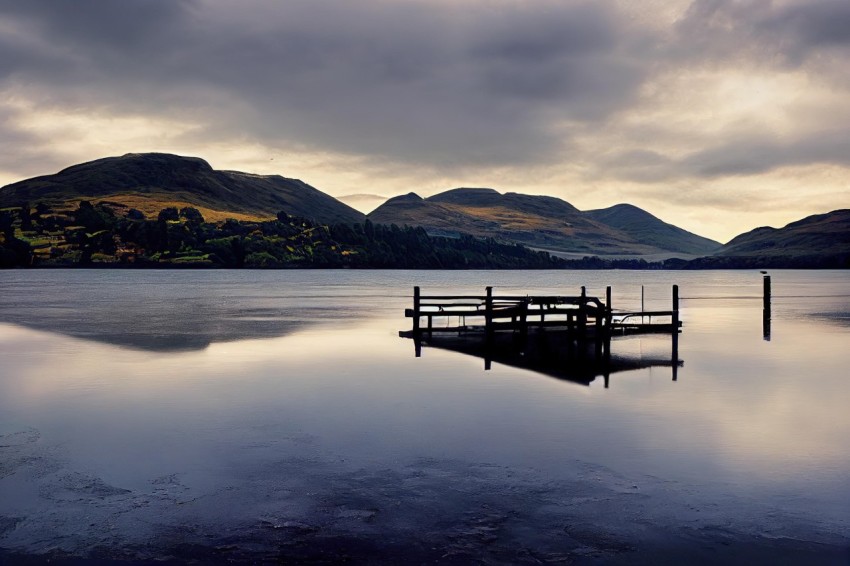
(152, 181)
(821, 234)
(542, 222)
(646, 228)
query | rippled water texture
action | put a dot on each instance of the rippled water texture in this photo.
(241, 413)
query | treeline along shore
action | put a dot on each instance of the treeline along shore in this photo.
(113, 235)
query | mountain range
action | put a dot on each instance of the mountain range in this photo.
(150, 182)
(543, 222)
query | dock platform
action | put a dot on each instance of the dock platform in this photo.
(561, 335)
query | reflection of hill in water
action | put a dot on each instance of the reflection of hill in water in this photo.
(549, 353)
(166, 326)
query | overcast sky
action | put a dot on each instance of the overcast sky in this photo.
(716, 115)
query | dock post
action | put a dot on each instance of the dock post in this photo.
(765, 323)
(416, 302)
(582, 313)
(676, 306)
(599, 330)
(523, 325)
(767, 292)
(488, 329)
(488, 315)
(609, 320)
(675, 331)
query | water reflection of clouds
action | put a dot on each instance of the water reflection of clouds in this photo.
(745, 409)
(774, 409)
(760, 415)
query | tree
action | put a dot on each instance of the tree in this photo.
(169, 214)
(94, 219)
(191, 215)
(26, 217)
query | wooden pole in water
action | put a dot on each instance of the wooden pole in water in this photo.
(416, 302)
(676, 302)
(609, 320)
(767, 292)
(765, 323)
(598, 330)
(582, 313)
(488, 328)
(488, 314)
(675, 331)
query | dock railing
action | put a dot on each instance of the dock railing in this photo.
(516, 312)
(584, 320)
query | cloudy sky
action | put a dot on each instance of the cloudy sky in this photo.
(716, 115)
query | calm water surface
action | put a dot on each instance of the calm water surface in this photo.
(208, 381)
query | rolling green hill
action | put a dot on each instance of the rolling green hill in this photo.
(647, 229)
(150, 182)
(822, 234)
(542, 222)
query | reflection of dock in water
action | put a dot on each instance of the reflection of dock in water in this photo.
(568, 337)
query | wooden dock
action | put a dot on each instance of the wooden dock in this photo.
(575, 332)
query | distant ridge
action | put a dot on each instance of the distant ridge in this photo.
(542, 222)
(818, 234)
(152, 181)
(646, 228)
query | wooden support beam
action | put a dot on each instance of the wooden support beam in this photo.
(582, 313)
(488, 314)
(598, 337)
(765, 320)
(523, 323)
(675, 336)
(767, 292)
(416, 300)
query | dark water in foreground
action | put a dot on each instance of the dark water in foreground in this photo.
(231, 415)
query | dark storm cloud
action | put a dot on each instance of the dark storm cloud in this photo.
(441, 84)
(761, 32)
(813, 24)
(111, 25)
(430, 83)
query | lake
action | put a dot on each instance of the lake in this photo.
(277, 415)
